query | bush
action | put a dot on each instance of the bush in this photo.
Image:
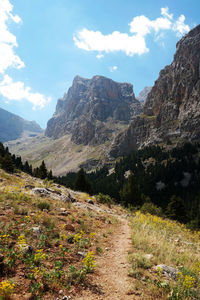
(43, 205)
(106, 199)
(152, 209)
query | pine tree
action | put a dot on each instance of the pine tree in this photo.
(81, 182)
(50, 175)
(42, 172)
(176, 209)
(7, 163)
(130, 192)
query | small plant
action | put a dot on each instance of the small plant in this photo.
(43, 205)
(39, 256)
(80, 240)
(6, 289)
(21, 242)
(75, 275)
(89, 262)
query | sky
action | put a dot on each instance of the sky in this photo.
(44, 44)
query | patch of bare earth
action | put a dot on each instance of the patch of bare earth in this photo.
(111, 281)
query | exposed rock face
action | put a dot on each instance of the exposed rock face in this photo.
(12, 126)
(89, 107)
(172, 108)
(143, 94)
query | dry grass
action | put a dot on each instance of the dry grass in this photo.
(157, 241)
(58, 238)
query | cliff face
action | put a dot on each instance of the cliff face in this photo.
(172, 108)
(12, 126)
(89, 108)
(143, 94)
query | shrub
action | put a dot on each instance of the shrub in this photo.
(106, 199)
(43, 205)
(152, 209)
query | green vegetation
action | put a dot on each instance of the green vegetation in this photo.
(11, 163)
(169, 180)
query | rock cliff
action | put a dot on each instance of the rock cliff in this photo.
(13, 127)
(172, 109)
(91, 110)
(143, 94)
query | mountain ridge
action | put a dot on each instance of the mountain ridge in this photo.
(13, 126)
(171, 112)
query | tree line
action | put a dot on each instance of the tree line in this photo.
(11, 163)
(151, 177)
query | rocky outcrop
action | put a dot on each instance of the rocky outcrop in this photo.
(143, 94)
(12, 126)
(172, 108)
(90, 109)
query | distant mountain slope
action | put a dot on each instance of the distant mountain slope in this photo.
(143, 94)
(13, 127)
(172, 109)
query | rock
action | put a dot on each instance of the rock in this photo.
(60, 292)
(26, 249)
(89, 201)
(82, 254)
(148, 256)
(172, 107)
(37, 230)
(29, 186)
(41, 191)
(64, 213)
(167, 271)
(71, 199)
(86, 107)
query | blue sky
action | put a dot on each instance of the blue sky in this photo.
(45, 43)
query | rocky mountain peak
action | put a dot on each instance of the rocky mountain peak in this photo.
(172, 108)
(88, 104)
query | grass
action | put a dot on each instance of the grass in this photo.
(48, 255)
(160, 241)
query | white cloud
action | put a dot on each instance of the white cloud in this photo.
(165, 13)
(99, 56)
(9, 59)
(134, 43)
(113, 69)
(17, 91)
(180, 27)
(95, 41)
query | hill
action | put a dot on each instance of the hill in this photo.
(57, 243)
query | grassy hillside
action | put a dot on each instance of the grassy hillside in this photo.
(47, 244)
(158, 242)
(56, 242)
(61, 155)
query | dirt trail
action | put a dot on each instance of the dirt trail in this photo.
(111, 280)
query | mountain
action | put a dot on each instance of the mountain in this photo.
(171, 112)
(143, 94)
(84, 125)
(13, 127)
(92, 109)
